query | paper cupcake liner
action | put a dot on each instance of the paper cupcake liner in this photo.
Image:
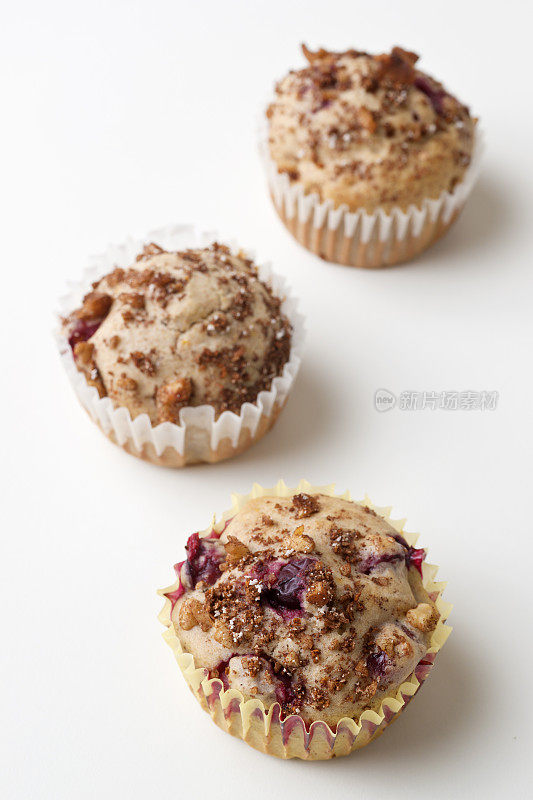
(359, 239)
(198, 437)
(290, 737)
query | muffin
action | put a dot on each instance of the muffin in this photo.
(369, 159)
(302, 621)
(189, 346)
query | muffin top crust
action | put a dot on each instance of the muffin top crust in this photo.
(311, 601)
(368, 131)
(179, 329)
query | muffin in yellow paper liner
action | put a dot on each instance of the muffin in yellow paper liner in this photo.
(265, 729)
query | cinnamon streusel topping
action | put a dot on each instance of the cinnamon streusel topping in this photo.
(179, 329)
(312, 601)
(368, 131)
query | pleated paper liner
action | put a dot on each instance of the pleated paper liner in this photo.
(264, 729)
(198, 437)
(358, 239)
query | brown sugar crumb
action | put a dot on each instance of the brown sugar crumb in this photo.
(305, 505)
(306, 642)
(345, 543)
(134, 299)
(172, 397)
(143, 363)
(236, 609)
(217, 324)
(114, 342)
(318, 698)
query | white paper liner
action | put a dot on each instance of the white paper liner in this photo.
(388, 229)
(265, 729)
(199, 435)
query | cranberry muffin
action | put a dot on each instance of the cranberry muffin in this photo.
(367, 134)
(311, 604)
(180, 330)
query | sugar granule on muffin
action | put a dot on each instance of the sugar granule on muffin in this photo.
(369, 131)
(312, 602)
(180, 329)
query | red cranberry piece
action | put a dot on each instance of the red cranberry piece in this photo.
(378, 663)
(83, 330)
(435, 95)
(203, 559)
(220, 670)
(414, 555)
(286, 593)
(373, 561)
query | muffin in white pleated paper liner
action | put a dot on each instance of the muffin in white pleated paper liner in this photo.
(359, 239)
(265, 729)
(198, 437)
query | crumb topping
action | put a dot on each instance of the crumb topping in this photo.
(368, 130)
(180, 329)
(310, 601)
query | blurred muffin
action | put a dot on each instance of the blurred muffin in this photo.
(375, 137)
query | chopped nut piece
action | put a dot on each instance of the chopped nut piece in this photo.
(366, 119)
(235, 550)
(171, 397)
(424, 617)
(192, 613)
(83, 353)
(300, 542)
(96, 305)
(222, 634)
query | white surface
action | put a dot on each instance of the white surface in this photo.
(122, 116)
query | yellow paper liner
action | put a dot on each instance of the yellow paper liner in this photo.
(264, 729)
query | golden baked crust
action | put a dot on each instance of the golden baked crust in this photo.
(368, 131)
(310, 601)
(179, 329)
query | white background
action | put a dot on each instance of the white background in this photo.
(118, 117)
